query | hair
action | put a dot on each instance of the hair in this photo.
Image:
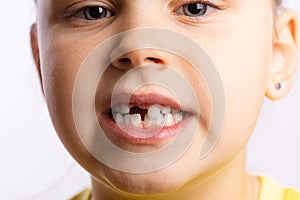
(278, 2)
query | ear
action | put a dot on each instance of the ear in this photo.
(35, 52)
(285, 53)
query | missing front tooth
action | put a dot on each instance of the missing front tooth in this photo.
(138, 110)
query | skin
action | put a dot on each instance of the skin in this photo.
(253, 51)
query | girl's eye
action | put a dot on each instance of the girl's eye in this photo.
(192, 9)
(94, 13)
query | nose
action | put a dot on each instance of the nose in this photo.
(136, 49)
(138, 58)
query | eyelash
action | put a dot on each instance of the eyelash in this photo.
(80, 13)
(85, 12)
(208, 4)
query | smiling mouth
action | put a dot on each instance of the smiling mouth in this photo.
(145, 119)
(145, 115)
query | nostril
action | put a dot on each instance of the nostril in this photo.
(155, 60)
(124, 60)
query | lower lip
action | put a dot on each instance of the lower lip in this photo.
(147, 135)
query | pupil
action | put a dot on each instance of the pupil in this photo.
(96, 12)
(195, 8)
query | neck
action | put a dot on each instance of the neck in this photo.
(230, 182)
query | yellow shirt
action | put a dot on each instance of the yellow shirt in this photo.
(269, 191)
(272, 191)
(85, 195)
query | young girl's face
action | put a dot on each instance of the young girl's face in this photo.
(238, 35)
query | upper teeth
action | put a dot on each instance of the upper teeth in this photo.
(121, 108)
(157, 115)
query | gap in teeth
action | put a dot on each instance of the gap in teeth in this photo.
(146, 115)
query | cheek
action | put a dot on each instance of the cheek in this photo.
(60, 60)
(241, 48)
(243, 57)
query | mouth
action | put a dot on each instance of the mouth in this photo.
(145, 114)
(146, 119)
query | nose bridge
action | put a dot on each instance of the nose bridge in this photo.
(141, 13)
(137, 48)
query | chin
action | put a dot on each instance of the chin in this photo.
(154, 183)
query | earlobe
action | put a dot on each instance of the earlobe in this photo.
(35, 51)
(285, 53)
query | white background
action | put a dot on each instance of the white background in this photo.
(33, 163)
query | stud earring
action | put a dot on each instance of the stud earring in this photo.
(278, 86)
